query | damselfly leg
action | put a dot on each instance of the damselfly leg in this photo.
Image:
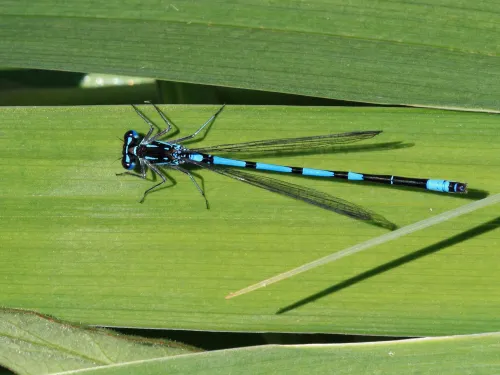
(165, 119)
(151, 125)
(210, 120)
(158, 172)
(177, 168)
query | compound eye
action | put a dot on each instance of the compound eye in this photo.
(127, 163)
(130, 134)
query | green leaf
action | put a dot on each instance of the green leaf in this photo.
(444, 55)
(474, 354)
(76, 243)
(35, 344)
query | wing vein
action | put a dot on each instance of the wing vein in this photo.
(308, 195)
(291, 144)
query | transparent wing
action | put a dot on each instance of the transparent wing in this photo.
(311, 196)
(291, 144)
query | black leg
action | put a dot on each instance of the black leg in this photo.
(151, 126)
(177, 168)
(158, 172)
(201, 127)
(164, 131)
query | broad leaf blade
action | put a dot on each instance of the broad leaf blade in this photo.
(397, 53)
(35, 344)
(475, 354)
(77, 244)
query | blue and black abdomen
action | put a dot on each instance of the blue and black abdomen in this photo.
(443, 186)
(423, 183)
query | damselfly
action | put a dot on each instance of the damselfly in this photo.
(149, 152)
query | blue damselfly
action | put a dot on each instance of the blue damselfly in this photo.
(150, 152)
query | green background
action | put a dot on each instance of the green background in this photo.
(75, 242)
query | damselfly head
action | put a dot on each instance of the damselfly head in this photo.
(130, 143)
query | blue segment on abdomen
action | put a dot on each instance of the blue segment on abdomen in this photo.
(231, 162)
(355, 176)
(272, 167)
(196, 157)
(317, 172)
(438, 185)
